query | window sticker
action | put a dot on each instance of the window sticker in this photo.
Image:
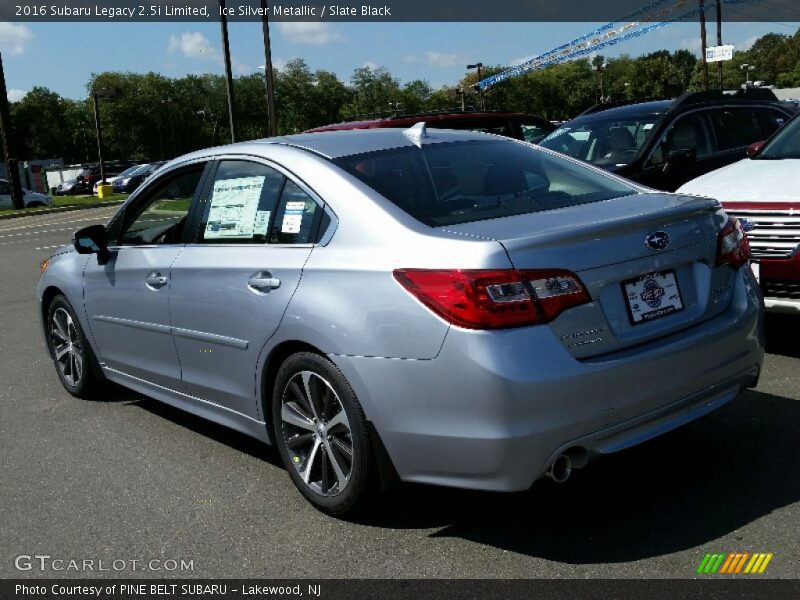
(234, 207)
(293, 217)
(261, 224)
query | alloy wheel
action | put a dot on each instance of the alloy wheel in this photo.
(67, 348)
(317, 433)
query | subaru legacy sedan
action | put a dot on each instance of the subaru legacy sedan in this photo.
(443, 307)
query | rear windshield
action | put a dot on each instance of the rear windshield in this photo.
(459, 182)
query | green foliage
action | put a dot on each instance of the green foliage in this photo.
(157, 117)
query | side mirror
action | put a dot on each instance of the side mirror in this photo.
(92, 240)
(753, 148)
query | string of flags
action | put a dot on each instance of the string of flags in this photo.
(641, 22)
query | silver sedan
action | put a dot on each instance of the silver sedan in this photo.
(432, 306)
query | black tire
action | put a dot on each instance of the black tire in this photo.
(324, 377)
(87, 380)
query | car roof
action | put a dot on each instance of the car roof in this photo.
(336, 144)
(408, 120)
(653, 107)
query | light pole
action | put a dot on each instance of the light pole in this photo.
(747, 70)
(168, 101)
(479, 66)
(600, 69)
(462, 93)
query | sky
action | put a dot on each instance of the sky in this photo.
(62, 57)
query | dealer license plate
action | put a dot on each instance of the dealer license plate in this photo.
(652, 296)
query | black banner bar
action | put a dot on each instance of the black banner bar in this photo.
(393, 10)
(709, 588)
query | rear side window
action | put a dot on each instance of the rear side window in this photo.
(735, 127)
(534, 132)
(770, 121)
(298, 217)
(451, 183)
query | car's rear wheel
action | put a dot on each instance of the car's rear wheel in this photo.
(73, 358)
(322, 436)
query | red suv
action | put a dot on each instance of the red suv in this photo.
(521, 126)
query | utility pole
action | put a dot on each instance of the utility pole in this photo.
(719, 41)
(9, 148)
(108, 94)
(226, 54)
(703, 42)
(99, 133)
(268, 76)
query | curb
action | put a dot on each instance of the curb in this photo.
(58, 209)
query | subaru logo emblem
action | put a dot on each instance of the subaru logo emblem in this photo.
(658, 240)
(747, 224)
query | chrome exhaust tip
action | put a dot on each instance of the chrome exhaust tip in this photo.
(561, 469)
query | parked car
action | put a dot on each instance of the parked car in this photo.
(529, 128)
(110, 180)
(31, 199)
(472, 312)
(763, 191)
(85, 181)
(128, 181)
(665, 143)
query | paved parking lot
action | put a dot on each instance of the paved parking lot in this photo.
(127, 478)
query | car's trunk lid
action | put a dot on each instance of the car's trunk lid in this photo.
(633, 286)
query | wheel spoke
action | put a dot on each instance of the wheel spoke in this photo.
(61, 326)
(293, 414)
(306, 377)
(325, 482)
(338, 420)
(305, 471)
(340, 476)
(61, 351)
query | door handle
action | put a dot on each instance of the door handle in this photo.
(263, 282)
(155, 280)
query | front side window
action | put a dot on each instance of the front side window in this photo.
(603, 141)
(689, 132)
(161, 217)
(451, 183)
(4, 187)
(242, 203)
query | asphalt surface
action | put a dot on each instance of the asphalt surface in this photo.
(127, 478)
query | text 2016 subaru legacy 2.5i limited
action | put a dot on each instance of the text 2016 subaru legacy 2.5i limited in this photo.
(445, 307)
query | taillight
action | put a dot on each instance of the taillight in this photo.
(732, 246)
(494, 299)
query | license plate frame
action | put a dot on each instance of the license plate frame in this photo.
(664, 291)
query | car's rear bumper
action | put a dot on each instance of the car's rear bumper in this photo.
(494, 408)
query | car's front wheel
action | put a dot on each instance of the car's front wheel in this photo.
(322, 435)
(72, 356)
